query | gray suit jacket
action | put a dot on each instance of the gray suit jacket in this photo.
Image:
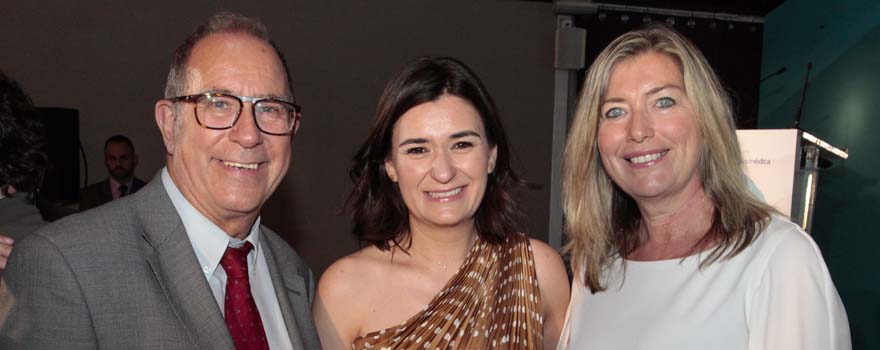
(19, 218)
(124, 276)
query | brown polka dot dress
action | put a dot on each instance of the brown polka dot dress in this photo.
(492, 302)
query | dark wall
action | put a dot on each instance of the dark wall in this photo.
(841, 107)
(109, 60)
(732, 48)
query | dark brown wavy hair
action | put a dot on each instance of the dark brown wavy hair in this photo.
(379, 214)
(23, 158)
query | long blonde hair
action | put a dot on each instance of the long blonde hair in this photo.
(600, 218)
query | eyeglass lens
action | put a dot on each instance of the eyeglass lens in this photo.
(221, 111)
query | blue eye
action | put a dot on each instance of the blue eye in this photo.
(268, 108)
(665, 102)
(614, 112)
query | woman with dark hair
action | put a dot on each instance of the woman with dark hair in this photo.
(669, 248)
(444, 266)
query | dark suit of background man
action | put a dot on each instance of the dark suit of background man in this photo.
(120, 160)
(183, 263)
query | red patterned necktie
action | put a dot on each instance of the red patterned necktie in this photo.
(242, 316)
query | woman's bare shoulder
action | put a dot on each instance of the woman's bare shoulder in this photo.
(344, 297)
(345, 275)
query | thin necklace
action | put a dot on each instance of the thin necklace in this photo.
(444, 266)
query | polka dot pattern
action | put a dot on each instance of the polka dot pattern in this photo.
(493, 302)
(242, 316)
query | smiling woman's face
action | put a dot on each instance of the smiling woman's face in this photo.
(648, 138)
(440, 159)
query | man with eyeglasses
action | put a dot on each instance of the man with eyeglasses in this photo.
(184, 263)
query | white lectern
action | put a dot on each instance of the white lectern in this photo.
(783, 169)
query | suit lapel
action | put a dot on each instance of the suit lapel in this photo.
(136, 185)
(106, 192)
(176, 268)
(290, 289)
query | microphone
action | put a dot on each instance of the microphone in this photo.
(777, 72)
(800, 110)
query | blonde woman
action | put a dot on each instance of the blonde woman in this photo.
(669, 249)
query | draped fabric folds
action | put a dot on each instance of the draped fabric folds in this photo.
(492, 302)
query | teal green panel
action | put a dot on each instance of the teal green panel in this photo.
(843, 108)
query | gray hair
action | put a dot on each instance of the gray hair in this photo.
(223, 22)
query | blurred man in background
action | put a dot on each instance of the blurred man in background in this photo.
(120, 160)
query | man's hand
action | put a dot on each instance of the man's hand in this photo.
(5, 249)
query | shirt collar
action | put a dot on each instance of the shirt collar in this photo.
(114, 184)
(208, 240)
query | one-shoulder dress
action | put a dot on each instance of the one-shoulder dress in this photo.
(492, 302)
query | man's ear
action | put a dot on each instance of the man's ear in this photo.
(166, 120)
(296, 122)
(389, 169)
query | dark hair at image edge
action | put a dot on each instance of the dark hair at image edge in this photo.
(22, 139)
(380, 217)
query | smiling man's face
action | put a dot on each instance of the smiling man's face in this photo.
(227, 174)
